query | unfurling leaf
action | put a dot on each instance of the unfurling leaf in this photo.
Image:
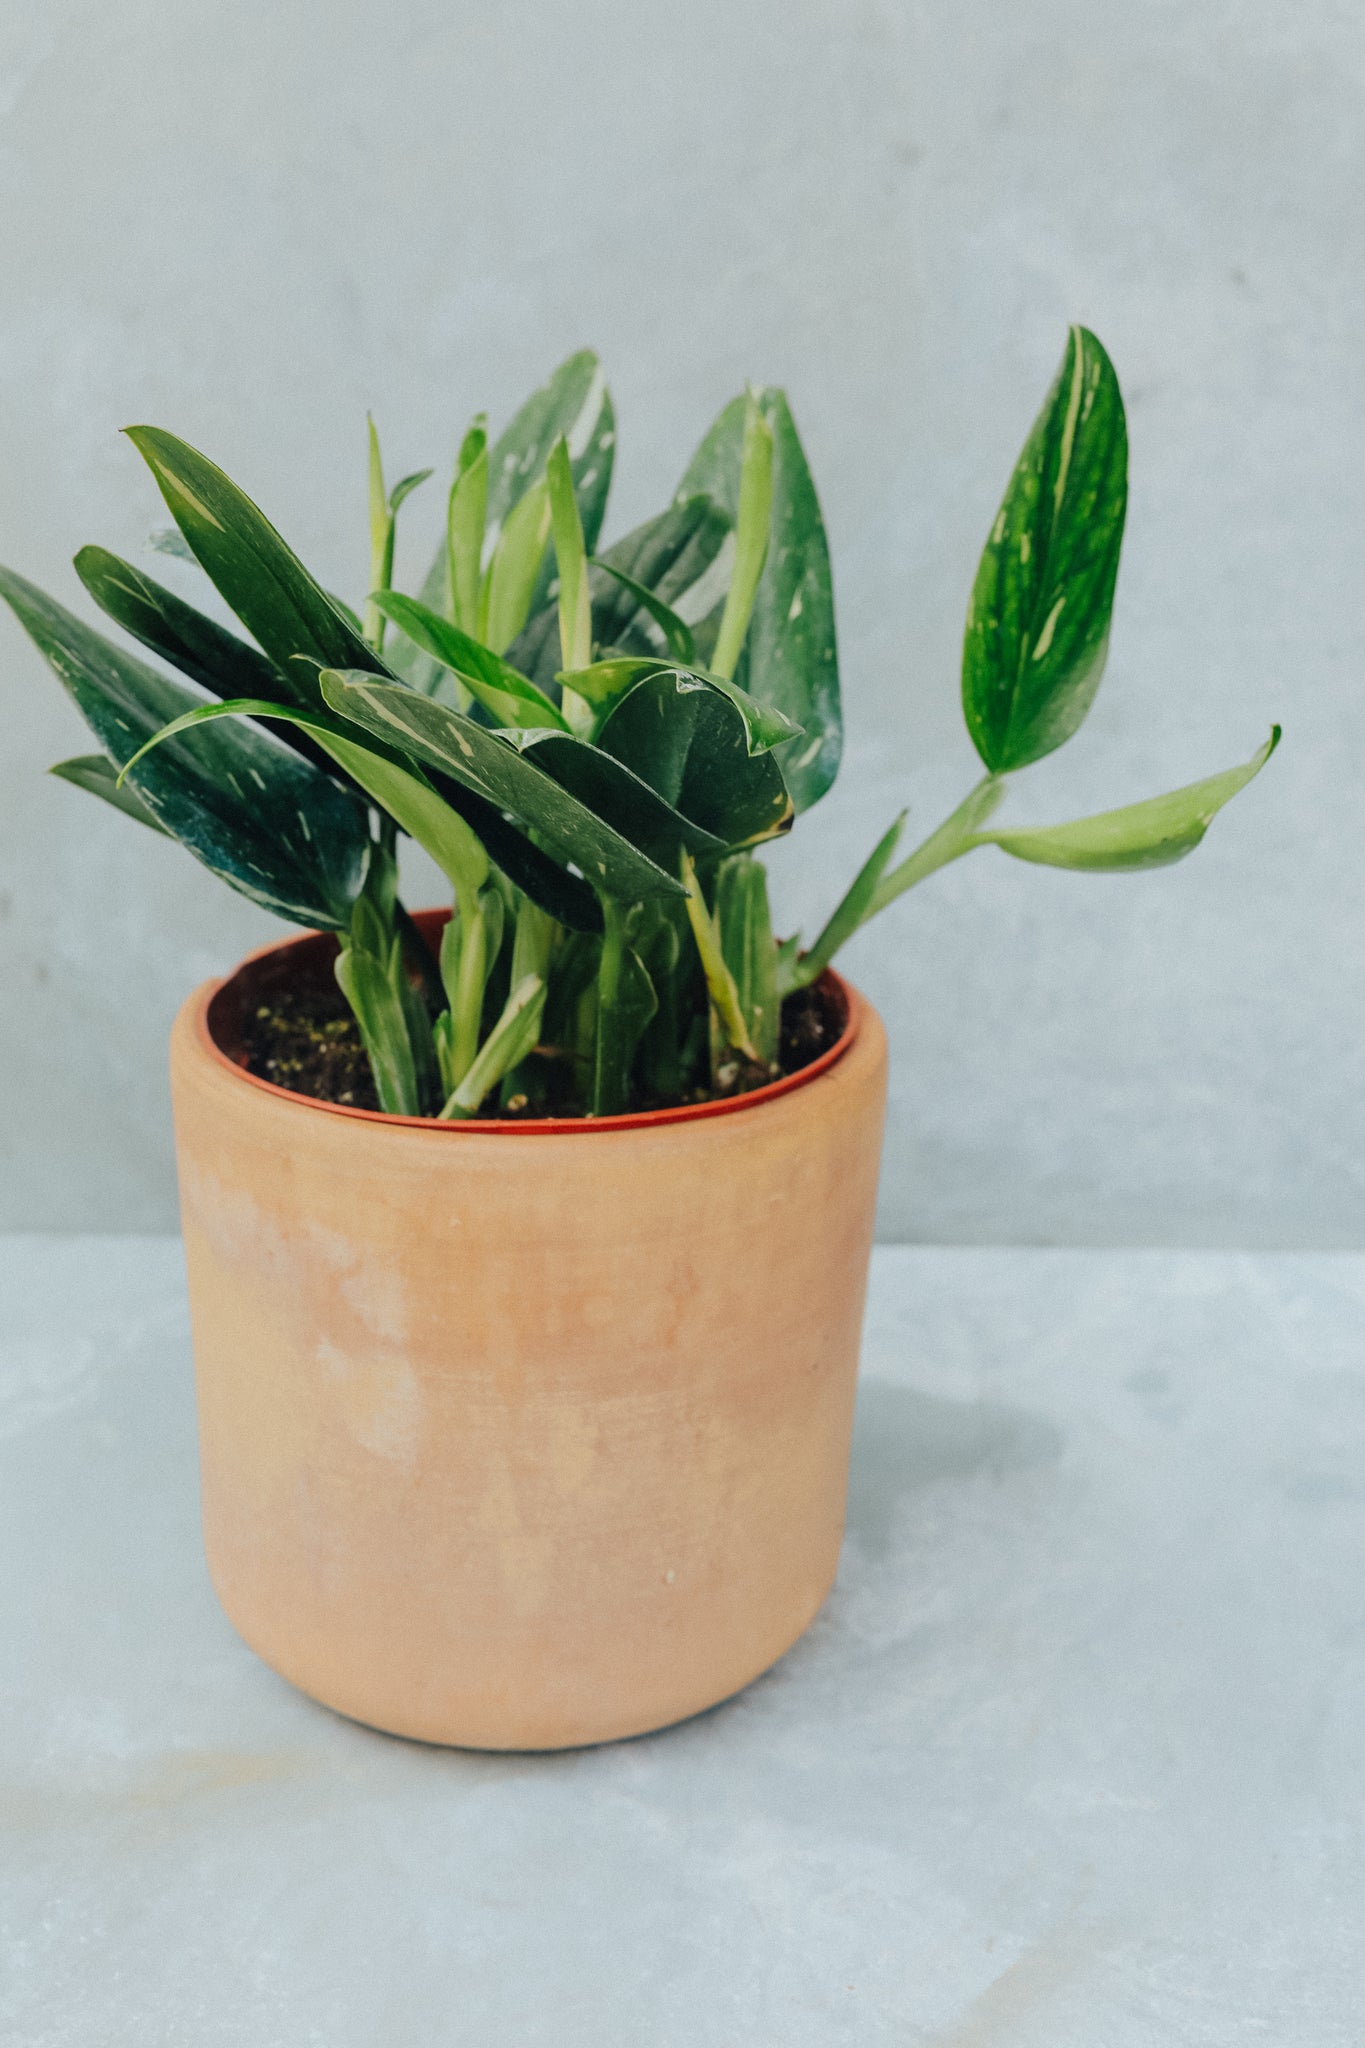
(1146, 835)
(1038, 622)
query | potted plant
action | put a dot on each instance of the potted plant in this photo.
(526, 1314)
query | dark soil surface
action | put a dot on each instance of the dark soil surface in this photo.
(306, 1040)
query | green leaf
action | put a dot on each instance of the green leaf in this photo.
(398, 787)
(1146, 835)
(1038, 622)
(258, 575)
(678, 636)
(509, 697)
(626, 1001)
(751, 536)
(466, 517)
(789, 662)
(495, 770)
(690, 740)
(513, 1036)
(574, 402)
(678, 555)
(198, 646)
(97, 773)
(622, 799)
(252, 810)
(854, 907)
(744, 925)
(406, 487)
(606, 683)
(511, 578)
(720, 981)
(575, 611)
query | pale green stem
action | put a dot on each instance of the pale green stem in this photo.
(955, 836)
(719, 980)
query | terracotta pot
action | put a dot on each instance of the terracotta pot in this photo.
(522, 1436)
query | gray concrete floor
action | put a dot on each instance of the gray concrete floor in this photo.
(1073, 1758)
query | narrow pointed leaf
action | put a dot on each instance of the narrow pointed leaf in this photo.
(509, 697)
(1038, 622)
(512, 572)
(466, 515)
(855, 905)
(789, 659)
(751, 537)
(680, 555)
(251, 809)
(513, 1036)
(1146, 835)
(744, 925)
(677, 634)
(571, 561)
(496, 770)
(255, 571)
(97, 773)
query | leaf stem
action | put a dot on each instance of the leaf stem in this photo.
(954, 837)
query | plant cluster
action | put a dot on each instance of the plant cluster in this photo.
(590, 745)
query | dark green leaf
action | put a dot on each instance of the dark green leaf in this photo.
(97, 773)
(258, 575)
(496, 770)
(1146, 835)
(690, 742)
(251, 809)
(677, 633)
(614, 793)
(1038, 622)
(790, 660)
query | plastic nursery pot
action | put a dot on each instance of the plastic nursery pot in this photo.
(521, 1436)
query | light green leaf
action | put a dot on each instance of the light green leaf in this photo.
(789, 661)
(510, 698)
(1038, 622)
(744, 926)
(575, 612)
(799, 970)
(511, 578)
(465, 520)
(720, 981)
(751, 536)
(1145, 835)
(513, 1036)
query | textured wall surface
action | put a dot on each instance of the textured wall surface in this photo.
(248, 224)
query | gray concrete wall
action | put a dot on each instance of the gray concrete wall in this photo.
(249, 223)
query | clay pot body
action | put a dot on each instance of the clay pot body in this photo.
(521, 1439)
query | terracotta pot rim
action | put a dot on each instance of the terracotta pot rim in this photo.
(526, 1127)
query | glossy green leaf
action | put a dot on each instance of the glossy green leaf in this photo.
(1038, 622)
(751, 537)
(1145, 835)
(251, 809)
(97, 773)
(495, 770)
(789, 660)
(606, 683)
(262, 580)
(689, 741)
(509, 697)
(720, 981)
(394, 783)
(368, 982)
(622, 799)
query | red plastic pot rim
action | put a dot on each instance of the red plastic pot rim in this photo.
(210, 994)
